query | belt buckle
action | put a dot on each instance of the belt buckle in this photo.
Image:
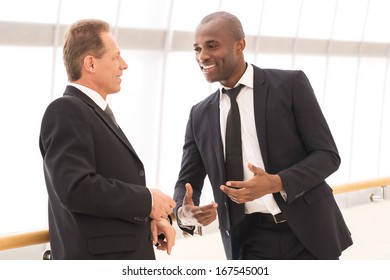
(278, 221)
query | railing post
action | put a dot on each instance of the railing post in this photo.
(377, 198)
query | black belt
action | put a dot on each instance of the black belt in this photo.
(267, 217)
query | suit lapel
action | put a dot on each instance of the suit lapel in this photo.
(117, 131)
(260, 93)
(72, 91)
(214, 129)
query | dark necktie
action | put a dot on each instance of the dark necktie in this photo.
(233, 152)
(110, 114)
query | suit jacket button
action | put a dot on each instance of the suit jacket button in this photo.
(141, 173)
(141, 219)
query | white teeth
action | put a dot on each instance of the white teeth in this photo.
(208, 66)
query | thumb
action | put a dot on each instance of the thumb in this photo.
(188, 195)
(153, 226)
(254, 169)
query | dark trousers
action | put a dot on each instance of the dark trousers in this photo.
(261, 239)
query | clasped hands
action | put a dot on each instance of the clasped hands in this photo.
(260, 184)
(160, 226)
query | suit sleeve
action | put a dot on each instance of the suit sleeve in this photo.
(192, 169)
(70, 153)
(312, 146)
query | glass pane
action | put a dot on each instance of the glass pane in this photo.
(187, 14)
(26, 92)
(314, 68)
(280, 18)
(367, 118)
(42, 11)
(248, 12)
(338, 107)
(159, 88)
(317, 19)
(378, 18)
(148, 14)
(384, 158)
(349, 22)
(73, 10)
(60, 78)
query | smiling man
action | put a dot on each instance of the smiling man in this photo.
(99, 205)
(266, 148)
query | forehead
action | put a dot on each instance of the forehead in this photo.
(109, 42)
(215, 30)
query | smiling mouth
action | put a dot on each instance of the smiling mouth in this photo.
(207, 68)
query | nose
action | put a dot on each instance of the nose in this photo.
(202, 55)
(123, 64)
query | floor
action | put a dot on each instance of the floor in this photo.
(369, 225)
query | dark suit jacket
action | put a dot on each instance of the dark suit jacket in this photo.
(295, 143)
(98, 202)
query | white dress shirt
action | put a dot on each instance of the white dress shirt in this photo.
(250, 143)
(96, 97)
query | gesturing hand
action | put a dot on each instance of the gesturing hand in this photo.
(191, 215)
(260, 184)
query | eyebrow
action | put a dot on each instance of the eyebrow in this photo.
(207, 42)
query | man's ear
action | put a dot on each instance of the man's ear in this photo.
(241, 45)
(89, 63)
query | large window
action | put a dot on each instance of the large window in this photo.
(340, 44)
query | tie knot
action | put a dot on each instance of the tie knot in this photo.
(233, 92)
(108, 110)
(110, 114)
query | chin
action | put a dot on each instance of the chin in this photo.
(210, 79)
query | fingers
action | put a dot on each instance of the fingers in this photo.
(257, 171)
(169, 235)
(204, 210)
(162, 205)
(207, 219)
(153, 230)
(253, 188)
(240, 187)
(190, 215)
(188, 195)
(206, 214)
(236, 184)
(170, 243)
(234, 194)
(209, 207)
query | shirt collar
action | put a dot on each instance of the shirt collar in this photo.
(246, 79)
(96, 97)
